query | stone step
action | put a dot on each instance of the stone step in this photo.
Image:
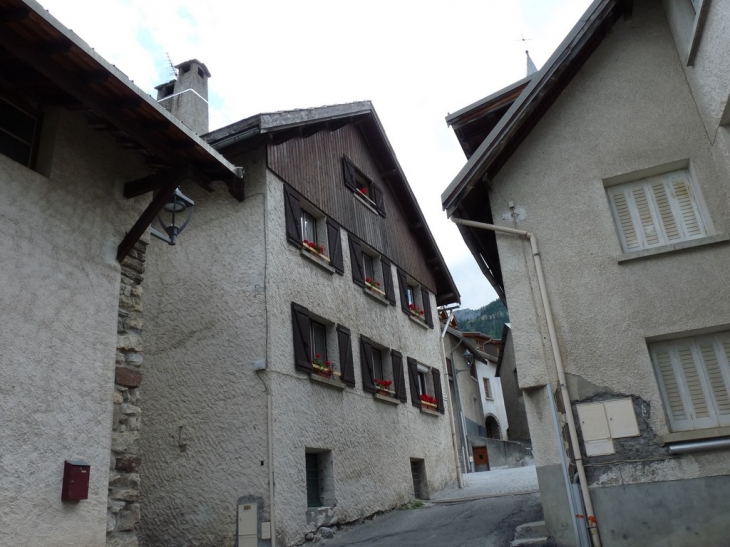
(531, 530)
(531, 542)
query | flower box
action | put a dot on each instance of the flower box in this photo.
(323, 368)
(429, 403)
(383, 387)
(416, 312)
(315, 249)
(374, 286)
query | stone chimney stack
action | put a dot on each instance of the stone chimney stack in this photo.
(187, 96)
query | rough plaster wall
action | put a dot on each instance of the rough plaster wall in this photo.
(371, 441)
(494, 406)
(468, 386)
(708, 77)
(205, 325)
(629, 108)
(514, 400)
(60, 287)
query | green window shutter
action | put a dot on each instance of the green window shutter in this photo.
(399, 378)
(347, 368)
(366, 364)
(356, 263)
(293, 212)
(302, 338)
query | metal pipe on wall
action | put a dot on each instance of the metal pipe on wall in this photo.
(699, 446)
(452, 424)
(575, 447)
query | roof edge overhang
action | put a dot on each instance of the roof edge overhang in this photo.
(257, 130)
(198, 153)
(486, 102)
(537, 97)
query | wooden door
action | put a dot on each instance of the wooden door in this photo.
(481, 458)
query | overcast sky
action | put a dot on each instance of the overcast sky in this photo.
(416, 61)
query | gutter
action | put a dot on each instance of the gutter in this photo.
(547, 308)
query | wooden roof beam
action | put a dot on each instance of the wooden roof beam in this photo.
(11, 15)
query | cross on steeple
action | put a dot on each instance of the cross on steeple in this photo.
(531, 68)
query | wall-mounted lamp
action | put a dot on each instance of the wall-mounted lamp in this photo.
(179, 203)
(468, 357)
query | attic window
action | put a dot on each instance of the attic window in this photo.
(364, 188)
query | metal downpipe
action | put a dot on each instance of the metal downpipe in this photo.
(575, 447)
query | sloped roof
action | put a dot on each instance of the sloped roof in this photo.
(50, 64)
(535, 99)
(255, 131)
(543, 88)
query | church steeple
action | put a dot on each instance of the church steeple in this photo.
(531, 68)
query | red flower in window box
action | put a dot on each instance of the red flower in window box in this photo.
(373, 286)
(314, 248)
(384, 387)
(320, 367)
(428, 401)
(367, 280)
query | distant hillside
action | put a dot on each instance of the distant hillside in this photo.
(488, 320)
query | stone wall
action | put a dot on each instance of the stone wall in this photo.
(123, 510)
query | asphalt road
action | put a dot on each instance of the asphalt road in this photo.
(487, 522)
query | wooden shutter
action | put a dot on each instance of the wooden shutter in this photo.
(399, 378)
(427, 307)
(679, 417)
(356, 263)
(302, 338)
(438, 390)
(403, 287)
(335, 244)
(687, 212)
(293, 212)
(622, 213)
(714, 351)
(388, 281)
(379, 199)
(366, 364)
(347, 368)
(349, 173)
(413, 381)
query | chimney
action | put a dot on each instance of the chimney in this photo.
(186, 97)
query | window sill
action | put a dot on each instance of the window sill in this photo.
(696, 435)
(420, 322)
(318, 261)
(386, 399)
(431, 412)
(673, 247)
(336, 384)
(375, 296)
(366, 202)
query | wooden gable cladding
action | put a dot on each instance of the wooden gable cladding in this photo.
(313, 166)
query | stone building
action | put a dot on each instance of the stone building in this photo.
(76, 139)
(613, 161)
(327, 263)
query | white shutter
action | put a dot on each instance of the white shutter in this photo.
(686, 209)
(679, 417)
(649, 226)
(629, 238)
(718, 374)
(664, 208)
(656, 211)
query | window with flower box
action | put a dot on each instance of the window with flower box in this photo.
(425, 383)
(371, 271)
(415, 300)
(322, 348)
(317, 236)
(382, 370)
(364, 189)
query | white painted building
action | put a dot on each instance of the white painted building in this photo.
(614, 156)
(327, 260)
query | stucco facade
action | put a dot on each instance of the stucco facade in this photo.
(225, 303)
(633, 105)
(60, 295)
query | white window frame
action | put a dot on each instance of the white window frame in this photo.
(644, 219)
(693, 375)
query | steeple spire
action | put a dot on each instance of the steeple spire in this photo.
(531, 68)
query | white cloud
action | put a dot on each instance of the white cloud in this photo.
(415, 61)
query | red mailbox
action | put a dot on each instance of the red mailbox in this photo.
(75, 480)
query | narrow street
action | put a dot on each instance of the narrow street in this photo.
(483, 514)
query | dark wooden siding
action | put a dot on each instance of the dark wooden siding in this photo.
(313, 166)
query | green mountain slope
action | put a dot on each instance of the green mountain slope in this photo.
(488, 320)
